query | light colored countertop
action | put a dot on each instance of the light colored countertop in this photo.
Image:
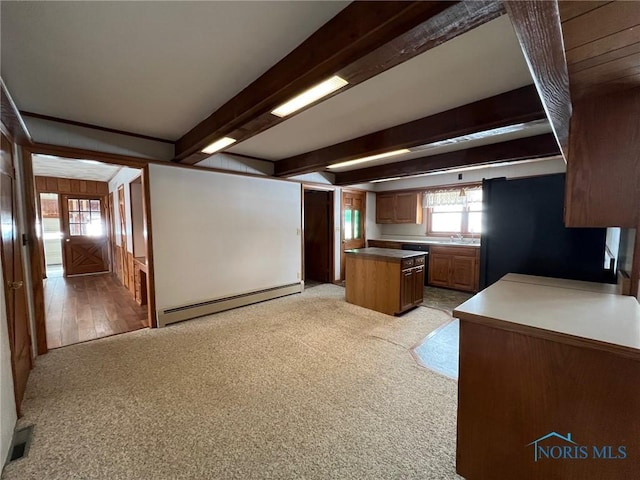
(387, 253)
(444, 243)
(582, 313)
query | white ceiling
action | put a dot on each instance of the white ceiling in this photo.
(155, 68)
(158, 68)
(51, 166)
(481, 63)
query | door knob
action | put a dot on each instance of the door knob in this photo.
(67, 240)
(15, 285)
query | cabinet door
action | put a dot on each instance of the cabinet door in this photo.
(418, 285)
(463, 273)
(384, 208)
(439, 266)
(407, 288)
(408, 208)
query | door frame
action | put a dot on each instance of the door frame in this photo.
(332, 227)
(364, 225)
(17, 267)
(30, 225)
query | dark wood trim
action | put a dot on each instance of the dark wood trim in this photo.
(517, 106)
(635, 266)
(11, 118)
(93, 127)
(537, 26)
(36, 256)
(527, 148)
(151, 289)
(363, 40)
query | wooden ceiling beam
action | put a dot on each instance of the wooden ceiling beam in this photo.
(513, 150)
(539, 31)
(517, 106)
(363, 40)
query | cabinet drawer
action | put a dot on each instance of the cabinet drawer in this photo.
(407, 263)
(454, 250)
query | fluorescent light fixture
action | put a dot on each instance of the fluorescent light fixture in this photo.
(309, 96)
(219, 145)
(370, 158)
(386, 179)
(91, 162)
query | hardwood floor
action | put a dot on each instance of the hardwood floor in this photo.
(89, 307)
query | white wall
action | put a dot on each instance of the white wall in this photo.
(62, 134)
(217, 235)
(123, 177)
(8, 414)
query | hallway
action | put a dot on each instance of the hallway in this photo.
(89, 307)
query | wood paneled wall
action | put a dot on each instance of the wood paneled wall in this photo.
(68, 185)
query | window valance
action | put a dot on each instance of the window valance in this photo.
(452, 196)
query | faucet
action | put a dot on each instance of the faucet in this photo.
(457, 236)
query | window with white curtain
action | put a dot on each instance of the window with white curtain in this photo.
(453, 211)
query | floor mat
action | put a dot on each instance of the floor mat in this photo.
(439, 350)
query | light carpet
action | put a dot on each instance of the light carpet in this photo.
(303, 387)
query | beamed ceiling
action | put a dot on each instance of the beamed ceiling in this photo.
(482, 84)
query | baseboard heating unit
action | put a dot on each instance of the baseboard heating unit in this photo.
(187, 312)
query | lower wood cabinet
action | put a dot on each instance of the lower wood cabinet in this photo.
(386, 280)
(412, 285)
(454, 267)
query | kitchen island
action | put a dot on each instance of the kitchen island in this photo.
(548, 386)
(383, 279)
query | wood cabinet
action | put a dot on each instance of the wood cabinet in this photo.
(412, 283)
(402, 207)
(535, 359)
(140, 280)
(603, 169)
(385, 280)
(454, 267)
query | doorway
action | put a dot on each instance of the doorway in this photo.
(51, 234)
(353, 211)
(318, 236)
(88, 300)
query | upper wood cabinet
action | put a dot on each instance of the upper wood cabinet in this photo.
(603, 170)
(401, 207)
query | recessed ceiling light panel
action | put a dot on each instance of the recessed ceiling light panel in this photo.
(218, 145)
(309, 96)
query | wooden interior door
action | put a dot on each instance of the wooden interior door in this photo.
(318, 235)
(13, 275)
(353, 215)
(85, 246)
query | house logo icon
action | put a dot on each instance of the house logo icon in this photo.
(537, 449)
(554, 446)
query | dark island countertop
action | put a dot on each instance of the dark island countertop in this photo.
(389, 254)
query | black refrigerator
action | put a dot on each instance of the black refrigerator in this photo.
(523, 232)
